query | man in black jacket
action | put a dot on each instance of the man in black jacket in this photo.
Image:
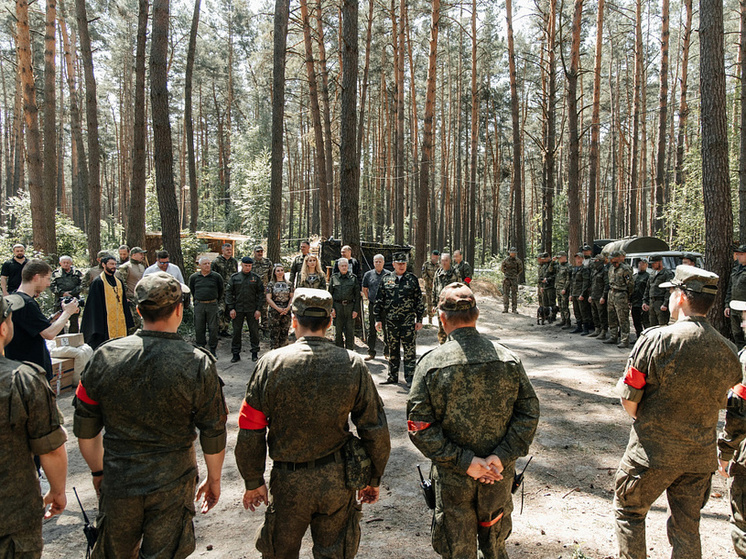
(244, 301)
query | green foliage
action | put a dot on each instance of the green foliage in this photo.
(250, 194)
(191, 246)
(686, 207)
(152, 211)
(578, 553)
(112, 232)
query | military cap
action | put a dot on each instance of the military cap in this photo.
(312, 302)
(694, 279)
(456, 297)
(600, 257)
(512, 249)
(586, 247)
(616, 254)
(247, 260)
(690, 256)
(562, 253)
(137, 250)
(436, 252)
(159, 290)
(544, 255)
(655, 258)
(579, 254)
(400, 257)
(102, 253)
(740, 248)
(258, 248)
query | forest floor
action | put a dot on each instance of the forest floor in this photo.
(567, 509)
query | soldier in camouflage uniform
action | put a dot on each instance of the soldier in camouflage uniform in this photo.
(279, 295)
(445, 276)
(462, 267)
(297, 265)
(737, 291)
(654, 300)
(598, 297)
(562, 285)
(67, 282)
(674, 386)
(580, 286)
(297, 406)
(732, 446)
(399, 303)
(473, 412)
(145, 466)
(130, 273)
(512, 268)
(429, 269)
(621, 285)
(263, 268)
(547, 274)
(29, 425)
(226, 266)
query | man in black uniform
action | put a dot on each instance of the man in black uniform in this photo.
(29, 425)
(640, 319)
(10, 274)
(244, 301)
(297, 405)
(149, 393)
(737, 291)
(207, 289)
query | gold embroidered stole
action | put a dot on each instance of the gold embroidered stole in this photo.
(115, 320)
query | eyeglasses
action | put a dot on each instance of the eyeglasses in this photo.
(163, 263)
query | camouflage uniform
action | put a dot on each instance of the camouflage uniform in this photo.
(428, 275)
(67, 282)
(295, 269)
(580, 285)
(399, 303)
(29, 425)
(679, 375)
(346, 294)
(471, 397)
(562, 282)
(297, 404)
(149, 410)
(548, 293)
(599, 290)
(443, 278)
(640, 319)
(512, 268)
(655, 297)
(91, 274)
(313, 281)
(281, 293)
(130, 273)
(464, 271)
(244, 293)
(737, 291)
(621, 285)
(226, 268)
(263, 268)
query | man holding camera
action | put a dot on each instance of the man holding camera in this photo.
(67, 282)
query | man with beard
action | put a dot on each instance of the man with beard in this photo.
(10, 275)
(107, 312)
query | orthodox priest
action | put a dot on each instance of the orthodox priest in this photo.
(107, 314)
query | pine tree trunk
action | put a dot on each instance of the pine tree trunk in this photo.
(662, 122)
(742, 153)
(634, 155)
(471, 238)
(349, 176)
(327, 146)
(49, 189)
(551, 128)
(163, 154)
(282, 8)
(573, 172)
(188, 122)
(593, 159)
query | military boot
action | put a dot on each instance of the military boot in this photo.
(625, 342)
(595, 333)
(604, 334)
(612, 337)
(578, 328)
(568, 324)
(586, 329)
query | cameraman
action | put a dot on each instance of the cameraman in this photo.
(66, 284)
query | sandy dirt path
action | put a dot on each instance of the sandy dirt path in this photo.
(568, 491)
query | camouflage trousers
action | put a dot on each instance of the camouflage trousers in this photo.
(157, 526)
(548, 297)
(442, 336)
(137, 319)
(657, 316)
(618, 304)
(401, 334)
(224, 319)
(24, 544)
(510, 293)
(564, 305)
(429, 299)
(279, 326)
(636, 489)
(344, 325)
(464, 510)
(735, 329)
(738, 513)
(600, 314)
(317, 498)
(582, 311)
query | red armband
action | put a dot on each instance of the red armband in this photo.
(635, 378)
(740, 391)
(467, 281)
(249, 418)
(414, 426)
(82, 395)
(489, 523)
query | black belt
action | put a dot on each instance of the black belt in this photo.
(345, 302)
(208, 302)
(294, 466)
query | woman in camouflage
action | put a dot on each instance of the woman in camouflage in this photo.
(279, 295)
(311, 274)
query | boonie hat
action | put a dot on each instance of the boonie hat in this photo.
(137, 250)
(655, 258)
(312, 302)
(247, 260)
(456, 297)
(400, 257)
(159, 290)
(693, 279)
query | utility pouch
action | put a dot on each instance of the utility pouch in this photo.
(358, 465)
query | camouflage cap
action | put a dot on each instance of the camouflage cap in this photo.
(544, 255)
(247, 260)
(580, 254)
(562, 253)
(512, 249)
(400, 257)
(159, 290)
(137, 250)
(694, 279)
(616, 254)
(257, 248)
(456, 297)
(312, 302)
(655, 258)
(102, 253)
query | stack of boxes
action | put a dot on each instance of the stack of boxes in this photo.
(64, 369)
